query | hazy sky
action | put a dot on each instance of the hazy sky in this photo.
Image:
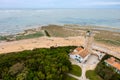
(59, 3)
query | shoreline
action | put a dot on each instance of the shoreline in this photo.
(96, 27)
(59, 36)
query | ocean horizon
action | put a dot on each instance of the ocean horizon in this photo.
(16, 20)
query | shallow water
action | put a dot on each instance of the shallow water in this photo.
(13, 21)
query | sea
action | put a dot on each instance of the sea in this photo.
(13, 21)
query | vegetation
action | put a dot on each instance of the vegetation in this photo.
(106, 72)
(107, 41)
(60, 31)
(47, 34)
(66, 77)
(76, 70)
(37, 64)
(3, 38)
(108, 37)
(92, 75)
(102, 36)
(35, 35)
(27, 36)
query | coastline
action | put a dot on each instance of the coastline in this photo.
(56, 39)
(97, 27)
(47, 42)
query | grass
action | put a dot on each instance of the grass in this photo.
(110, 42)
(76, 70)
(3, 38)
(69, 78)
(91, 74)
(108, 37)
(35, 35)
(60, 31)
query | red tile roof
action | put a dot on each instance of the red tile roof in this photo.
(82, 52)
(79, 49)
(113, 62)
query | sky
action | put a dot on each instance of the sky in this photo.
(59, 3)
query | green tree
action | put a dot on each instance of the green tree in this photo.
(41, 76)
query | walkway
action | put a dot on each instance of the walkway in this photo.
(89, 65)
(84, 69)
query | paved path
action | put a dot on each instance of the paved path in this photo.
(76, 77)
(83, 67)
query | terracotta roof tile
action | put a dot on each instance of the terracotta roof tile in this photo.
(79, 49)
(113, 62)
(84, 53)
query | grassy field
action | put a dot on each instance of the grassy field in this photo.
(101, 36)
(108, 37)
(60, 31)
(90, 74)
(20, 37)
(35, 35)
(76, 70)
(3, 38)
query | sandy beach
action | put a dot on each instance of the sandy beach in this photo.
(42, 42)
(46, 42)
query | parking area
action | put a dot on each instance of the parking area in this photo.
(92, 59)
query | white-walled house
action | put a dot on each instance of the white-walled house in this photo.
(113, 63)
(80, 54)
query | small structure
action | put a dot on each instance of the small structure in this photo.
(80, 54)
(113, 63)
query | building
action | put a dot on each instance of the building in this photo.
(113, 63)
(80, 54)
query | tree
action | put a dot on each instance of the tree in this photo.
(41, 76)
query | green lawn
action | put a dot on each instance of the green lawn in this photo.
(76, 70)
(69, 78)
(90, 74)
(35, 35)
(2, 37)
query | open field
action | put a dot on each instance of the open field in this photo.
(102, 36)
(108, 37)
(60, 31)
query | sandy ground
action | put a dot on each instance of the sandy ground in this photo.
(42, 42)
(112, 48)
(46, 42)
